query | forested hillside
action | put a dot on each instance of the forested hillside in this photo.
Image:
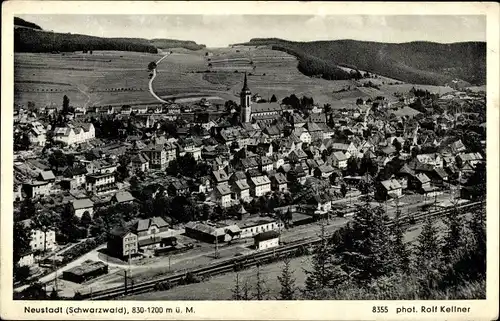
(173, 43)
(23, 23)
(413, 62)
(29, 37)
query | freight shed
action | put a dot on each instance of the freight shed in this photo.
(88, 270)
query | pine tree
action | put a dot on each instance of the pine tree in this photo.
(22, 239)
(236, 290)
(245, 291)
(54, 295)
(454, 237)
(287, 282)
(428, 246)
(367, 255)
(65, 106)
(325, 272)
(428, 259)
(399, 247)
(260, 286)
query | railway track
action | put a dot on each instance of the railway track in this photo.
(247, 261)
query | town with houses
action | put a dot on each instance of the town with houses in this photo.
(107, 191)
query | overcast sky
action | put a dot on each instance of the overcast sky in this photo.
(220, 30)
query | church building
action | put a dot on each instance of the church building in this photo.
(259, 112)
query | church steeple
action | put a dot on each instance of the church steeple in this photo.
(245, 103)
(245, 85)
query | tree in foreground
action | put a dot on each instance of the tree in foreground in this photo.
(54, 295)
(287, 282)
(260, 286)
(245, 291)
(325, 272)
(428, 259)
(22, 241)
(399, 248)
(237, 295)
(454, 237)
(366, 254)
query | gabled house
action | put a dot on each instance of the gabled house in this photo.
(278, 160)
(178, 187)
(122, 243)
(202, 185)
(40, 240)
(302, 134)
(80, 206)
(265, 164)
(431, 159)
(279, 182)
(259, 185)
(47, 176)
(338, 160)
(240, 189)
(139, 162)
(297, 156)
(222, 195)
(122, 197)
(220, 177)
(322, 203)
(470, 158)
(457, 147)
(324, 171)
(76, 175)
(314, 130)
(388, 189)
(249, 163)
(420, 183)
(439, 177)
(348, 149)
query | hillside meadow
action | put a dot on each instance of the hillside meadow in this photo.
(116, 77)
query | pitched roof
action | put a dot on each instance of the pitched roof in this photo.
(120, 231)
(470, 157)
(239, 175)
(241, 185)
(312, 127)
(280, 178)
(260, 180)
(268, 235)
(145, 224)
(75, 171)
(223, 189)
(422, 178)
(441, 172)
(47, 175)
(326, 168)
(339, 156)
(123, 196)
(266, 107)
(207, 229)
(82, 203)
(391, 184)
(317, 118)
(220, 175)
(138, 159)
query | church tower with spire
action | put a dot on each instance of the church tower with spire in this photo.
(245, 103)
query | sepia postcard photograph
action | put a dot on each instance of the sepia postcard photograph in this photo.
(290, 160)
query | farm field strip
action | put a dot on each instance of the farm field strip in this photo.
(124, 79)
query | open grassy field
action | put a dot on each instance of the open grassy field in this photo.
(108, 77)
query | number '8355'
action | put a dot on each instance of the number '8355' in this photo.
(380, 309)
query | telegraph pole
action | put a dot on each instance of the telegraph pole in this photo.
(54, 265)
(216, 254)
